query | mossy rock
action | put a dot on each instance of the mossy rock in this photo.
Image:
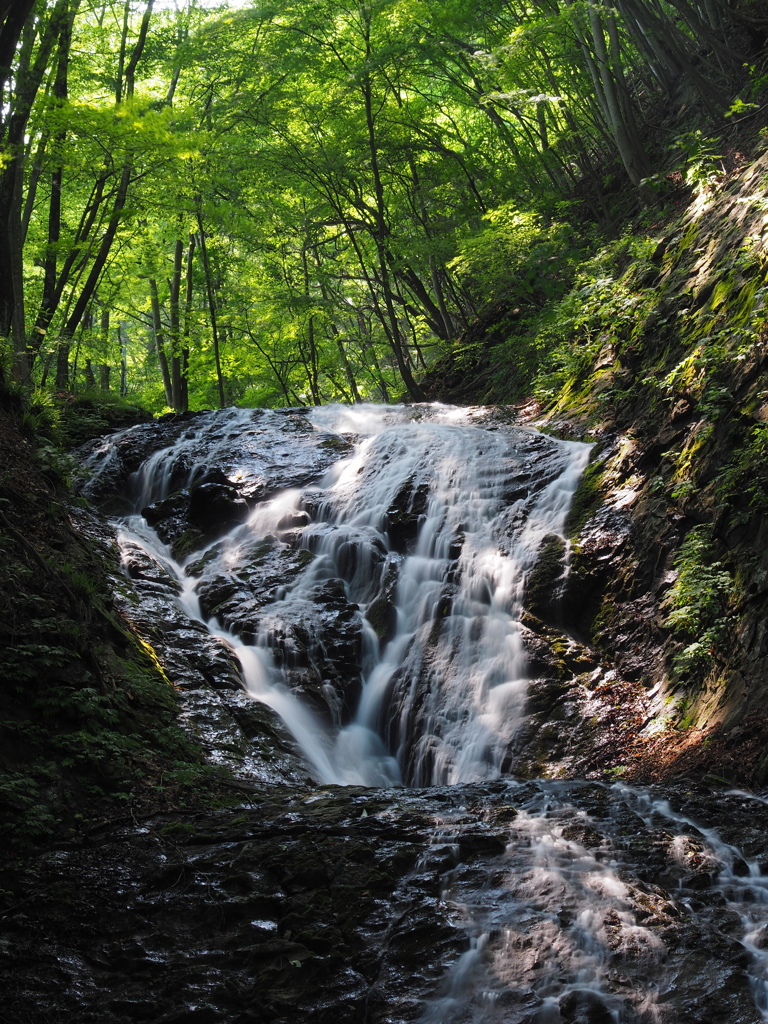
(382, 615)
(587, 499)
(189, 541)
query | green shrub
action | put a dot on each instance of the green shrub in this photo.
(697, 603)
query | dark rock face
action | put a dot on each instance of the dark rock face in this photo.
(169, 517)
(250, 451)
(114, 458)
(407, 514)
(494, 903)
(545, 585)
(244, 736)
(214, 508)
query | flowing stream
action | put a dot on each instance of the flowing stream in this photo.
(443, 696)
(411, 550)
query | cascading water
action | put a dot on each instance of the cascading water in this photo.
(377, 609)
(433, 522)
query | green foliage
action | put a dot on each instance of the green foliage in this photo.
(701, 163)
(516, 259)
(25, 813)
(54, 461)
(743, 483)
(603, 308)
(365, 179)
(697, 603)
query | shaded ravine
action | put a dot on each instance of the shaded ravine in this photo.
(377, 608)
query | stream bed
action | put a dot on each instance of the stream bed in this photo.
(341, 597)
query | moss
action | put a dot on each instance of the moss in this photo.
(382, 616)
(587, 499)
(697, 605)
(89, 719)
(335, 444)
(189, 541)
(197, 567)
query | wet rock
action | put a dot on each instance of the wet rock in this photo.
(169, 517)
(546, 583)
(151, 573)
(584, 1007)
(382, 615)
(293, 521)
(214, 508)
(252, 449)
(343, 904)
(406, 514)
(235, 596)
(106, 463)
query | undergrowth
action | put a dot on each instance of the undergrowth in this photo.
(697, 605)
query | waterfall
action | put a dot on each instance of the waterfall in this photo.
(427, 529)
(373, 592)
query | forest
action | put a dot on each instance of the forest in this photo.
(384, 511)
(287, 204)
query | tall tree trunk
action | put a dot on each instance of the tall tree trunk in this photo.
(158, 334)
(188, 297)
(310, 362)
(100, 261)
(336, 334)
(88, 290)
(18, 26)
(380, 233)
(62, 365)
(177, 401)
(616, 113)
(211, 307)
(49, 298)
(122, 337)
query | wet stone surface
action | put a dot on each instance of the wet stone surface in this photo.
(488, 902)
(498, 902)
(251, 451)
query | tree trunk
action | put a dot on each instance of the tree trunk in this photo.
(18, 25)
(310, 362)
(177, 401)
(392, 329)
(211, 308)
(188, 297)
(89, 218)
(49, 298)
(62, 366)
(158, 333)
(122, 336)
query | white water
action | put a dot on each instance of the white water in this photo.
(444, 698)
(557, 927)
(566, 922)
